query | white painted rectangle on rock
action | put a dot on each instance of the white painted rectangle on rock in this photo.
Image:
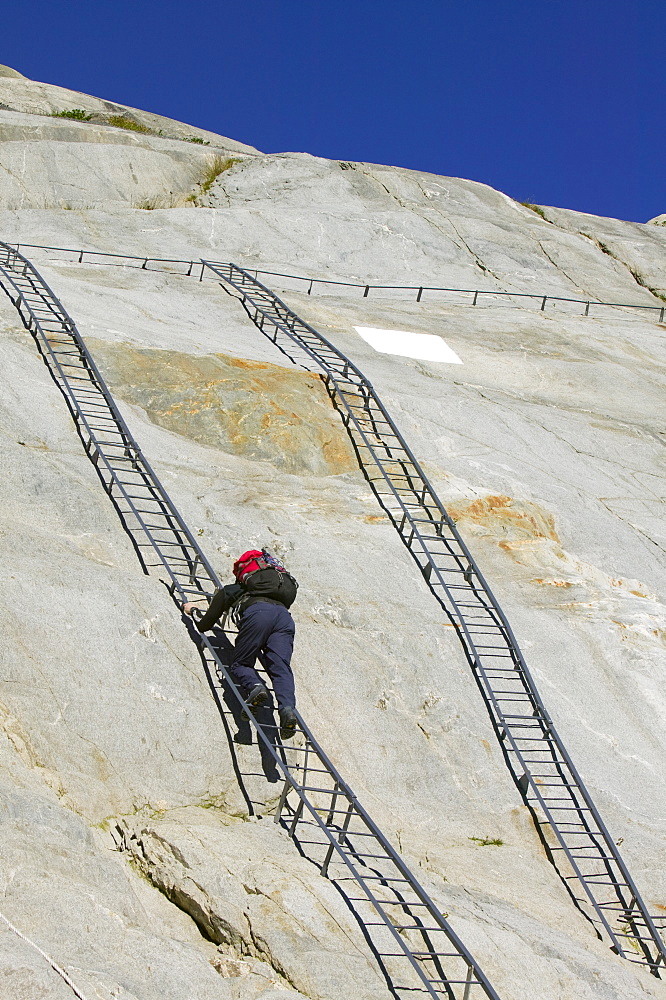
(424, 346)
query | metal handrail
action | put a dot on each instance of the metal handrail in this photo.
(117, 456)
(367, 287)
(374, 433)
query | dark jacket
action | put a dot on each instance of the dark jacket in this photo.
(225, 598)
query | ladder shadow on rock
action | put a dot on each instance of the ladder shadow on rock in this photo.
(419, 952)
(582, 850)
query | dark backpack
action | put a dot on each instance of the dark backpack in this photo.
(265, 576)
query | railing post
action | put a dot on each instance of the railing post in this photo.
(341, 837)
(543, 303)
(468, 983)
(661, 314)
(297, 816)
(193, 571)
(587, 309)
(420, 293)
(365, 293)
(81, 256)
(281, 803)
(476, 295)
(203, 266)
(310, 286)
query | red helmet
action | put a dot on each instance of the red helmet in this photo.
(248, 563)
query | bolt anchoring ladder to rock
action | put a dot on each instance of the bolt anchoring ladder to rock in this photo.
(418, 952)
(584, 854)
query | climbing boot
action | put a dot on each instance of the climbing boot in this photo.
(257, 696)
(288, 723)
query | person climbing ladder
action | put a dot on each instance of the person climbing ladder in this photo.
(259, 603)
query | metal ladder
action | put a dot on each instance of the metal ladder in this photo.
(418, 952)
(584, 853)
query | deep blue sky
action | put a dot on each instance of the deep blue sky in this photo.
(560, 102)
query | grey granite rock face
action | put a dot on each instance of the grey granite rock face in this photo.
(638, 248)
(111, 933)
(255, 898)
(384, 224)
(547, 446)
(29, 96)
(118, 156)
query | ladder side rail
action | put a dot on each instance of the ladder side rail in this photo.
(497, 710)
(254, 283)
(115, 413)
(368, 387)
(345, 791)
(501, 719)
(342, 789)
(177, 586)
(548, 726)
(531, 690)
(81, 421)
(365, 385)
(382, 840)
(435, 499)
(612, 848)
(55, 362)
(476, 661)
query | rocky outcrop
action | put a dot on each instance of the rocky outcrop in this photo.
(9, 73)
(104, 154)
(637, 248)
(250, 893)
(384, 224)
(17, 93)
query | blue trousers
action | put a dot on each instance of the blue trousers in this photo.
(266, 631)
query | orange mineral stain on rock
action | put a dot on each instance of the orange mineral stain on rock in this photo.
(249, 408)
(523, 530)
(512, 522)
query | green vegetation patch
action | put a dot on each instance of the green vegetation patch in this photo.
(211, 173)
(217, 167)
(197, 139)
(76, 114)
(148, 204)
(124, 121)
(487, 841)
(640, 280)
(534, 208)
